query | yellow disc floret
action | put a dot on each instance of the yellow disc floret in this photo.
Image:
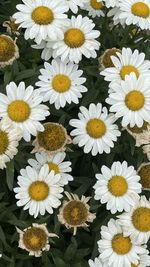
(106, 58)
(121, 245)
(34, 239)
(118, 186)
(75, 213)
(144, 174)
(141, 219)
(135, 100)
(96, 128)
(4, 142)
(42, 15)
(53, 167)
(18, 111)
(61, 83)
(53, 138)
(140, 9)
(7, 48)
(74, 38)
(38, 191)
(127, 70)
(96, 5)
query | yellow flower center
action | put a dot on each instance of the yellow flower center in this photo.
(53, 137)
(135, 100)
(96, 5)
(141, 219)
(4, 142)
(18, 111)
(140, 9)
(61, 83)
(126, 70)
(106, 59)
(138, 130)
(74, 38)
(133, 265)
(118, 186)
(7, 48)
(75, 213)
(53, 167)
(96, 128)
(42, 15)
(34, 239)
(144, 173)
(38, 191)
(121, 245)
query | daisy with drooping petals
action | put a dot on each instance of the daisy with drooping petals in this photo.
(11, 26)
(97, 263)
(79, 39)
(74, 5)
(38, 191)
(61, 83)
(42, 19)
(117, 186)
(75, 213)
(9, 141)
(116, 249)
(130, 100)
(136, 223)
(8, 50)
(135, 12)
(125, 63)
(34, 239)
(95, 8)
(22, 106)
(53, 139)
(144, 173)
(56, 163)
(46, 47)
(138, 132)
(105, 59)
(95, 129)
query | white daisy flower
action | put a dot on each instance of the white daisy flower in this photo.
(42, 19)
(61, 83)
(135, 12)
(144, 173)
(97, 263)
(53, 139)
(111, 3)
(74, 5)
(75, 212)
(46, 47)
(125, 63)
(22, 106)
(115, 13)
(56, 163)
(136, 223)
(95, 129)
(144, 259)
(94, 8)
(116, 249)
(130, 100)
(79, 39)
(117, 186)
(38, 191)
(35, 239)
(9, 141)
(8, 50)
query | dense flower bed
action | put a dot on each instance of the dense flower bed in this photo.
(74, 133)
